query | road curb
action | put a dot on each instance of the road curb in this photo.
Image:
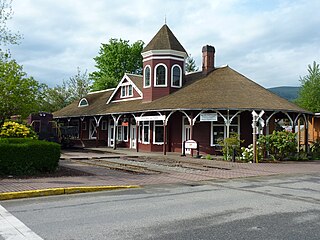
(60, 191)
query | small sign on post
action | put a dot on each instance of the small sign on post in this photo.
(190, 144)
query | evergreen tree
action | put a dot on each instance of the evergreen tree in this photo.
(191, 65)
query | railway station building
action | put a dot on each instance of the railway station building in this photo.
(164, 107)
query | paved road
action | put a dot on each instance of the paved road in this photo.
(282, 207)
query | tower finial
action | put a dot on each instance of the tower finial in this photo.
(165, 19)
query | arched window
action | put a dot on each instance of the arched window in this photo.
(176, 76)
(161, 75)
(147, 76)
(83, 103)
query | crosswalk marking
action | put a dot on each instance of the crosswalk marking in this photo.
(12, 228)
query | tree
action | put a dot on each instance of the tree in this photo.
(19, 94)
(62, 95)
(309, 95)
(79, 85)
(191, 65)
(114, 60)
(6, 35)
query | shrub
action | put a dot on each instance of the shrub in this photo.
(280, 145)
(28, 156)
(229, 145)
(315, 150)
(16, 130)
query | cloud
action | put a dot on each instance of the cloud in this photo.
(271, 42)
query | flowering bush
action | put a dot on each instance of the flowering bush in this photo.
(247, 153)
(280, 144)
(16, 130)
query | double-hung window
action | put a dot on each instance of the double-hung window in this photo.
(126, 91)
(144, 132)
(158, 132)
(219, 129)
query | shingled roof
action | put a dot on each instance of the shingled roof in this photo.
(164, 40)
(223, 88)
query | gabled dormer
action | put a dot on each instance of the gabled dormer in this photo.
(163, 65)
(127, 89)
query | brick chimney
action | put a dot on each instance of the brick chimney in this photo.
(207, 58)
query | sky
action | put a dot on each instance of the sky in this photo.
(271, 42)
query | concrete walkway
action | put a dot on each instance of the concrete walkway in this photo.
(200, 170)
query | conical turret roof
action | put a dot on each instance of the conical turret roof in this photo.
(164, 40)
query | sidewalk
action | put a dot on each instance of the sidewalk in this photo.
(100, 176)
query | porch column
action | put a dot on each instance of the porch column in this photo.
(164, 138)
(312, 123)
(81, 127)
(115, 130)
(306, 135)
(98, 132)
(137, 135)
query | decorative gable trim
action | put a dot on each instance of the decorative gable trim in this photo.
(165, 52)
(125, 81)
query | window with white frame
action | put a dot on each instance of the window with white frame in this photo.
(160, 75)
(219, 129)
(147, 77)
(126, 90)
(176, 76)
(144, 132)
(83, 103)
(158, 132)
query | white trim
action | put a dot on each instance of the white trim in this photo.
(120, 84)
(164, 52)
(110, 133)
(144, 75)
(92, 129)
(165, 75)
(180, 80)
(126, 99)
(83, 99)
(100, 91)
(154, 133)
(161, 58)
(184, 137)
